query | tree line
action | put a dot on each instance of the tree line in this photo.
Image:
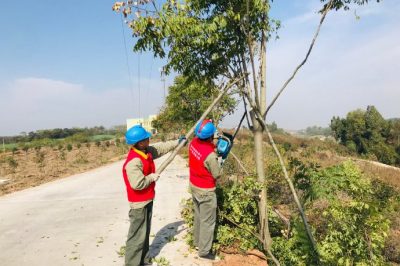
(62, 133)
(367, 133)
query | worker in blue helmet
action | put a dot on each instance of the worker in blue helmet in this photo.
(140, 177)
(204, 169)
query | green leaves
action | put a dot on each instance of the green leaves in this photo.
(200, 39)
(187, 100)
(344, 4)
(368, 133)
(352, 229)
(237, 202)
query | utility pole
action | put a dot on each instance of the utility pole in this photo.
(163, 80)
(4, 147)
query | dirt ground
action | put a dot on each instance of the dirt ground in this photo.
(22, 170)
(242, 260)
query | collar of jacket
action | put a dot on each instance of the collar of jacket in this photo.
(144, 155)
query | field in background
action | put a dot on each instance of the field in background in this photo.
(24, 168)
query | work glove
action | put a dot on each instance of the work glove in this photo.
(154, 177)
(182, 138)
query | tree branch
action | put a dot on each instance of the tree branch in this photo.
(240, 163)
(304, 60)
(289, 181)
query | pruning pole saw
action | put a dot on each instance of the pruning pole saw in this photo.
(225, 141)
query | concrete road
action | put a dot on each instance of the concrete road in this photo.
(83, 220)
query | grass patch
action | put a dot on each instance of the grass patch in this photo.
(101, 137)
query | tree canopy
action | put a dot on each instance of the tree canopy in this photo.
(187, 100)
(368, 133)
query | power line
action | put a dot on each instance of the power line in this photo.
(149, 78)
(127, 64)
(139, 81)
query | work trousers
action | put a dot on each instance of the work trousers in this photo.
(205, 214)
(137, 243)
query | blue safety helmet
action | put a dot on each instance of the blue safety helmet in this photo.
(205, 129)
(135, 134)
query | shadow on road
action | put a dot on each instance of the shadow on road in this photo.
(164, 236)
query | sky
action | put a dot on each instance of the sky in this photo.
(65, 64)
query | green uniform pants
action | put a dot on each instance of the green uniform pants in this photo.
(137, 244)
(205, 214)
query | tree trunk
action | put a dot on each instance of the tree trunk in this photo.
(258, 149)
(262, 204)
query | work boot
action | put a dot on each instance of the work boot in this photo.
(147, 262)
(209, 256)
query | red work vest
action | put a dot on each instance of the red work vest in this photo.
(148, 168)
(198, 152)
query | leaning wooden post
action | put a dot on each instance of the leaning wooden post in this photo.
(203, 116)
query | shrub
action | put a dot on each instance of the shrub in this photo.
(62, 156)
(69, 147)
(237, 204)
(14, 150)
(345, 214)
(12, 163)
(39, 159)
(25, 148)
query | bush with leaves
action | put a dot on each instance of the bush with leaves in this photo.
(98, 143)
(25, 148)
(40, 158)
(346, 215)
(69, 147)
(237, 205)
(12, 163)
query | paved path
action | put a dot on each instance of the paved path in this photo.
(83, 220)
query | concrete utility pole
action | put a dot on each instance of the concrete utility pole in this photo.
(4, 147)
(163, 80)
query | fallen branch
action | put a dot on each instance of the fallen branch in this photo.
(237, 225)
(281, 216)
(240, 163)
(248, 252)
(261, 256)
(254, 234)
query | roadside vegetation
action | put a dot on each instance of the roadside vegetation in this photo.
(353, 211)
(352, 203)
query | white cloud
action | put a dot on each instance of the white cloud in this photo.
(35, 103)
(354, 63)
(351, 66)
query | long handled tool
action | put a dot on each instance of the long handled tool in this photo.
(191, 131)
